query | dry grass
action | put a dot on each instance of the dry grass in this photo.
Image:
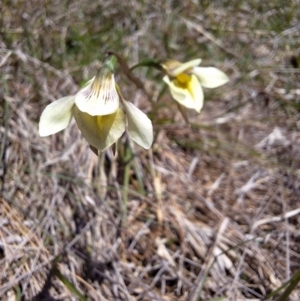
(211, 210)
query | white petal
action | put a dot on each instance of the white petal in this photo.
(197, 93)
(190, 97)
(99, 97)
(139, 125)
(185, 66)
(56, 116)
(100, 131)
(210, 77)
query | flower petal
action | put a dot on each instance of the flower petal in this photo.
(173, 68)
(139, 125)
(100, 96)
(185, 66)
(210, 77)
(197, 93)
(190, 96)
(56, 116)
(100, 131)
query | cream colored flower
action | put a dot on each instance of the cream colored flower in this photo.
(96, 109)
(186, 80)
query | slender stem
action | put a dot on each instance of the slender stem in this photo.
(126, 70)
(127, 156)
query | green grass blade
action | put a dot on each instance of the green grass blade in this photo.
(68, 284)
(290, 286)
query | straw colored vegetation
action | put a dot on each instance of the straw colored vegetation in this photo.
(211, 210)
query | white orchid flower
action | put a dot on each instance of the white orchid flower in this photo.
(96, 109)
(186, 80)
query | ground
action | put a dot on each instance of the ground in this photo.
(210, 212)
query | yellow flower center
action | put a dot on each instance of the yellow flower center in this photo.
(182, 80)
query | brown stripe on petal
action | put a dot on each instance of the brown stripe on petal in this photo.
(87, 93)
(102, 89)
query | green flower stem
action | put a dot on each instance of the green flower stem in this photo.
(110, 63)
(148, 63)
